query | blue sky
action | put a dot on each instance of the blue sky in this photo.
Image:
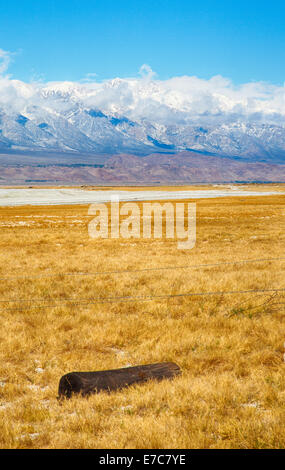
(67, 40)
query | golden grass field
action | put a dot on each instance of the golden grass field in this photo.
(231, 393)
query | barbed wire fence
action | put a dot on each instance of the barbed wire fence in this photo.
(79, 301)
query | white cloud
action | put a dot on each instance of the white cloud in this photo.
(184, 98)
(5, 58)
(147, 72)
(89, 78)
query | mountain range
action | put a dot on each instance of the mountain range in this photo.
(180, 168)
(141, 118)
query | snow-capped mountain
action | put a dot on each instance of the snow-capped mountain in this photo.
(143, 116)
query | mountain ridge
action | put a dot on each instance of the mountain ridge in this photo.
(141, 117)
(183, 168)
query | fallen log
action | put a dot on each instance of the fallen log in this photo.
(86, 383)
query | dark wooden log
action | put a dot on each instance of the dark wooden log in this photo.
(85, 383)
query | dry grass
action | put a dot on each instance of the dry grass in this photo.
(232, 390)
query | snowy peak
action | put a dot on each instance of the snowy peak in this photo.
(143, 115)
